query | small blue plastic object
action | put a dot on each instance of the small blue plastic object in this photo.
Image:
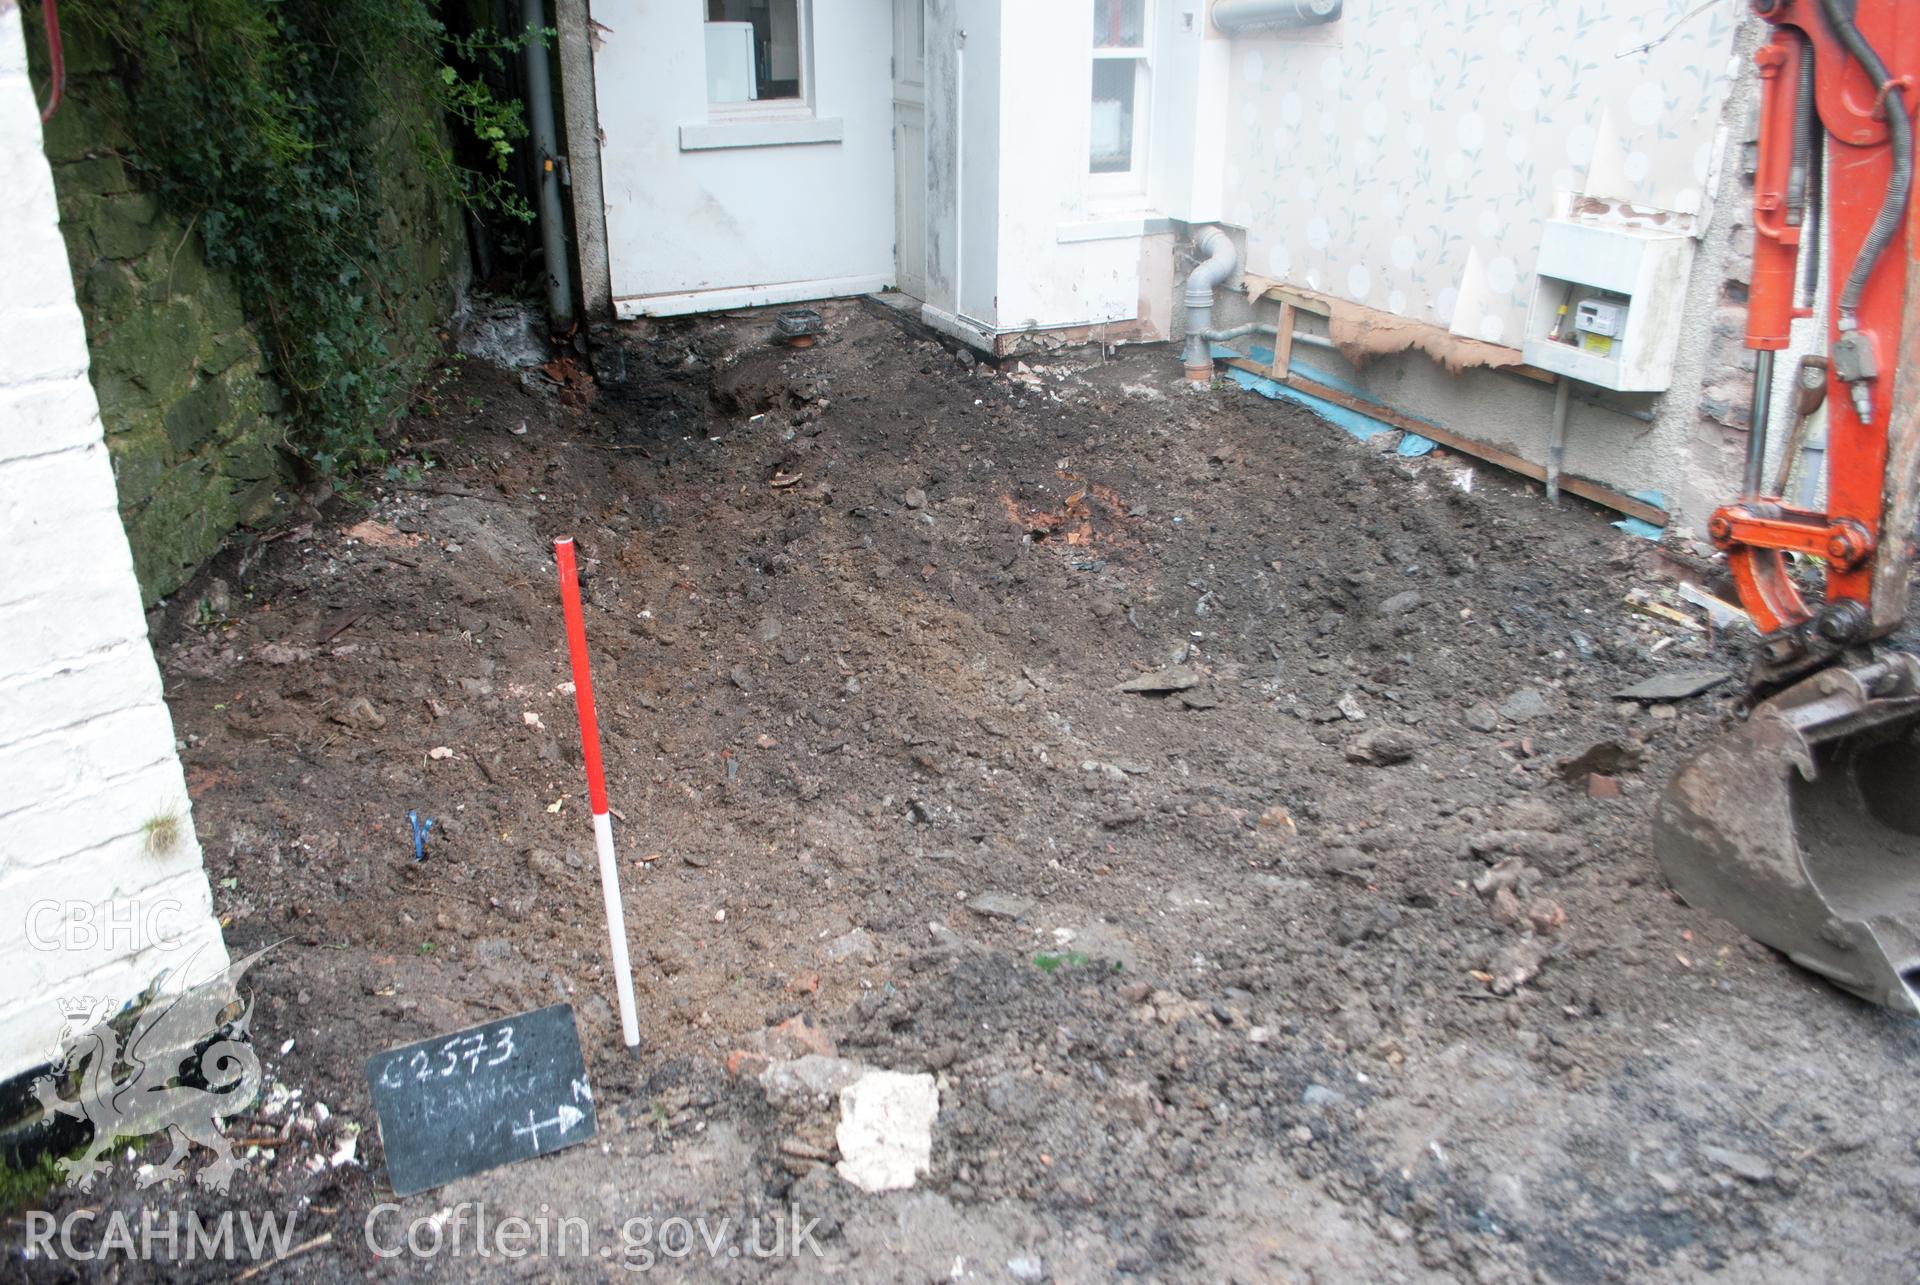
(420, 829)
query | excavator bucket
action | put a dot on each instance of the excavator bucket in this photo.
(1802, 827)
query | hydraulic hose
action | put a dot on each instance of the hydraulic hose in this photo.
(1810, 227)
(1805, 124)
(1893, 209)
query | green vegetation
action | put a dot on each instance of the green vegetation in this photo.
(27, 1188)
(160, 833)
(263, 125)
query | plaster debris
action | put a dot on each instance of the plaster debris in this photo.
(886, 1130)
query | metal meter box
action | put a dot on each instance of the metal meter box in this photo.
(1607, 304)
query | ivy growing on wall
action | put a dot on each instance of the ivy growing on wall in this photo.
(258, 121)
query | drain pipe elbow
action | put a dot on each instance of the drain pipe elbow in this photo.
(1207, 276)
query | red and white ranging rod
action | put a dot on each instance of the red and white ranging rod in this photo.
(596, 785)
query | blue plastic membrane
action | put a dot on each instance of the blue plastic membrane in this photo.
(1352, 421)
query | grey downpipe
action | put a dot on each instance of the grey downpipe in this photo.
(1813, 467)
(1557, 436)
(1207, 276)
(1265, 328)
(1233, 16)
(546, 156)
(1235, 332)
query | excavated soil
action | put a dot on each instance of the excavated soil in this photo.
(1204, 975)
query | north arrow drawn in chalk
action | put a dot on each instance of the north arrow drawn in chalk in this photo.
(563, 1119)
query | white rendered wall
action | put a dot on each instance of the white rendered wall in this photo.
(88, 906)
(963, 165)
(1192, 79)
(742, 218)
(1018, 239)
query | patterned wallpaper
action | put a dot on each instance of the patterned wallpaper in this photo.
(1407, 157)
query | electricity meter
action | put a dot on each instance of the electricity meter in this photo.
(1599, 317)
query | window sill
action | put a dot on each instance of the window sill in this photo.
(1122, 200)
(1113, 227)
(761, 133)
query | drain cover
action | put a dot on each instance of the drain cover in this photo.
(796, 323)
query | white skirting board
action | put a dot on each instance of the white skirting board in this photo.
(723, 300)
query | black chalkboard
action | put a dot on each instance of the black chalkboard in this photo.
(480, 1098)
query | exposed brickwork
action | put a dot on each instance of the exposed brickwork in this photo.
(1727, 396)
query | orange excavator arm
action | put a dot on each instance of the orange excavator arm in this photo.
(1801, 823)
(1842, 83)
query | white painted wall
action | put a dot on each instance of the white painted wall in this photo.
(1047, 87)
(1013, 239)
(910, 146)
(1017, 241)
(781, 222)
(86, 743)
(1075, 256)
(1190, 146)
(963, 170)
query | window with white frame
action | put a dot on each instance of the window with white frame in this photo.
(757, 56)
(1118, 150)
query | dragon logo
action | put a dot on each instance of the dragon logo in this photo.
(194, 1030)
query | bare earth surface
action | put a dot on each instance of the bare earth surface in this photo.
(1320, 968)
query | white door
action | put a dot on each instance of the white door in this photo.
(785, 190)
(910, 145)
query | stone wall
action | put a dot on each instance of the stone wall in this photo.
(101, 883)
(188, 408)
(194, 419)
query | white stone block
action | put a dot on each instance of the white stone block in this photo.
(886, 1129)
